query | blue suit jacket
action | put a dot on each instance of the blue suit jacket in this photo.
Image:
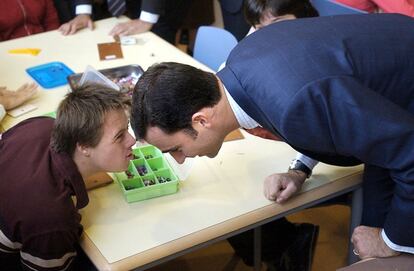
(340, 90)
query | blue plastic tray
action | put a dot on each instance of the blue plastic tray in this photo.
(51, 74)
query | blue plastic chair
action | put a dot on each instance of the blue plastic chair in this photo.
(330, 7)
(213, 45)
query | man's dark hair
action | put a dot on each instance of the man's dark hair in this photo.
(168, 94)
(81, 115)
(254, 9)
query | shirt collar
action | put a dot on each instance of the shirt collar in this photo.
(244, 120)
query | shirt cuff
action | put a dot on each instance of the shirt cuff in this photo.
(83, 9)
(149, 17)
(309, 162)
(395, 247)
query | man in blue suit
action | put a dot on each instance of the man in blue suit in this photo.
(338, 89)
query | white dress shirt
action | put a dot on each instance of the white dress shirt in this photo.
(144, 15)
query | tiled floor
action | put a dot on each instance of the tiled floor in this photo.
(331, 249)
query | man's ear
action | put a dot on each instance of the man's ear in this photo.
(202, 118)
(84, 150)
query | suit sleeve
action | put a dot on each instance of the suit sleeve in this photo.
(340, 116)
(154, 6)
(83, 2)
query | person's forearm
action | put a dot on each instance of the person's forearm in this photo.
(10, 99)
(6, 98)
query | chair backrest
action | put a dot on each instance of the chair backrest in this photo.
(213, 45)
(330, 7)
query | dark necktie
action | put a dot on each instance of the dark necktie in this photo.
(116, 7)
(263, 133)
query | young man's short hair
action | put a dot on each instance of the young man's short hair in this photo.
(255, 9)
(81, 115)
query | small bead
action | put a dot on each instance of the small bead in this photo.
(142, 170)
(148, 182)
(129, 174)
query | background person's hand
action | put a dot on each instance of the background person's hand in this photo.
(11, 99)
(79, 22)
(368, 243)
(281, 186)
(130, 28)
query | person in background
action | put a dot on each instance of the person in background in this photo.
(260, 13)
(405, 7)
(162, 17)
(20, 18)
(324, 91)
(11, 99)
(44, 163)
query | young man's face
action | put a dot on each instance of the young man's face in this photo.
(113, 151)
(182, 145)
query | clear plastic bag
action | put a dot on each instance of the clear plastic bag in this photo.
(90, 75)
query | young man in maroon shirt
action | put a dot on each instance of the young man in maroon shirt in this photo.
(44, 163)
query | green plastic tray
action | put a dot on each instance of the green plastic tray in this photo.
(158, 178)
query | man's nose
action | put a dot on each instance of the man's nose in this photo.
(178, 156)
(131, 140)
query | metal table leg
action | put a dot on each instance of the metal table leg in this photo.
(257, 248)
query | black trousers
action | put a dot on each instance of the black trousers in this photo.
(277, 236)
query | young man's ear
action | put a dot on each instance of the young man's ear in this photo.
(82, 149)
(202, 118)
